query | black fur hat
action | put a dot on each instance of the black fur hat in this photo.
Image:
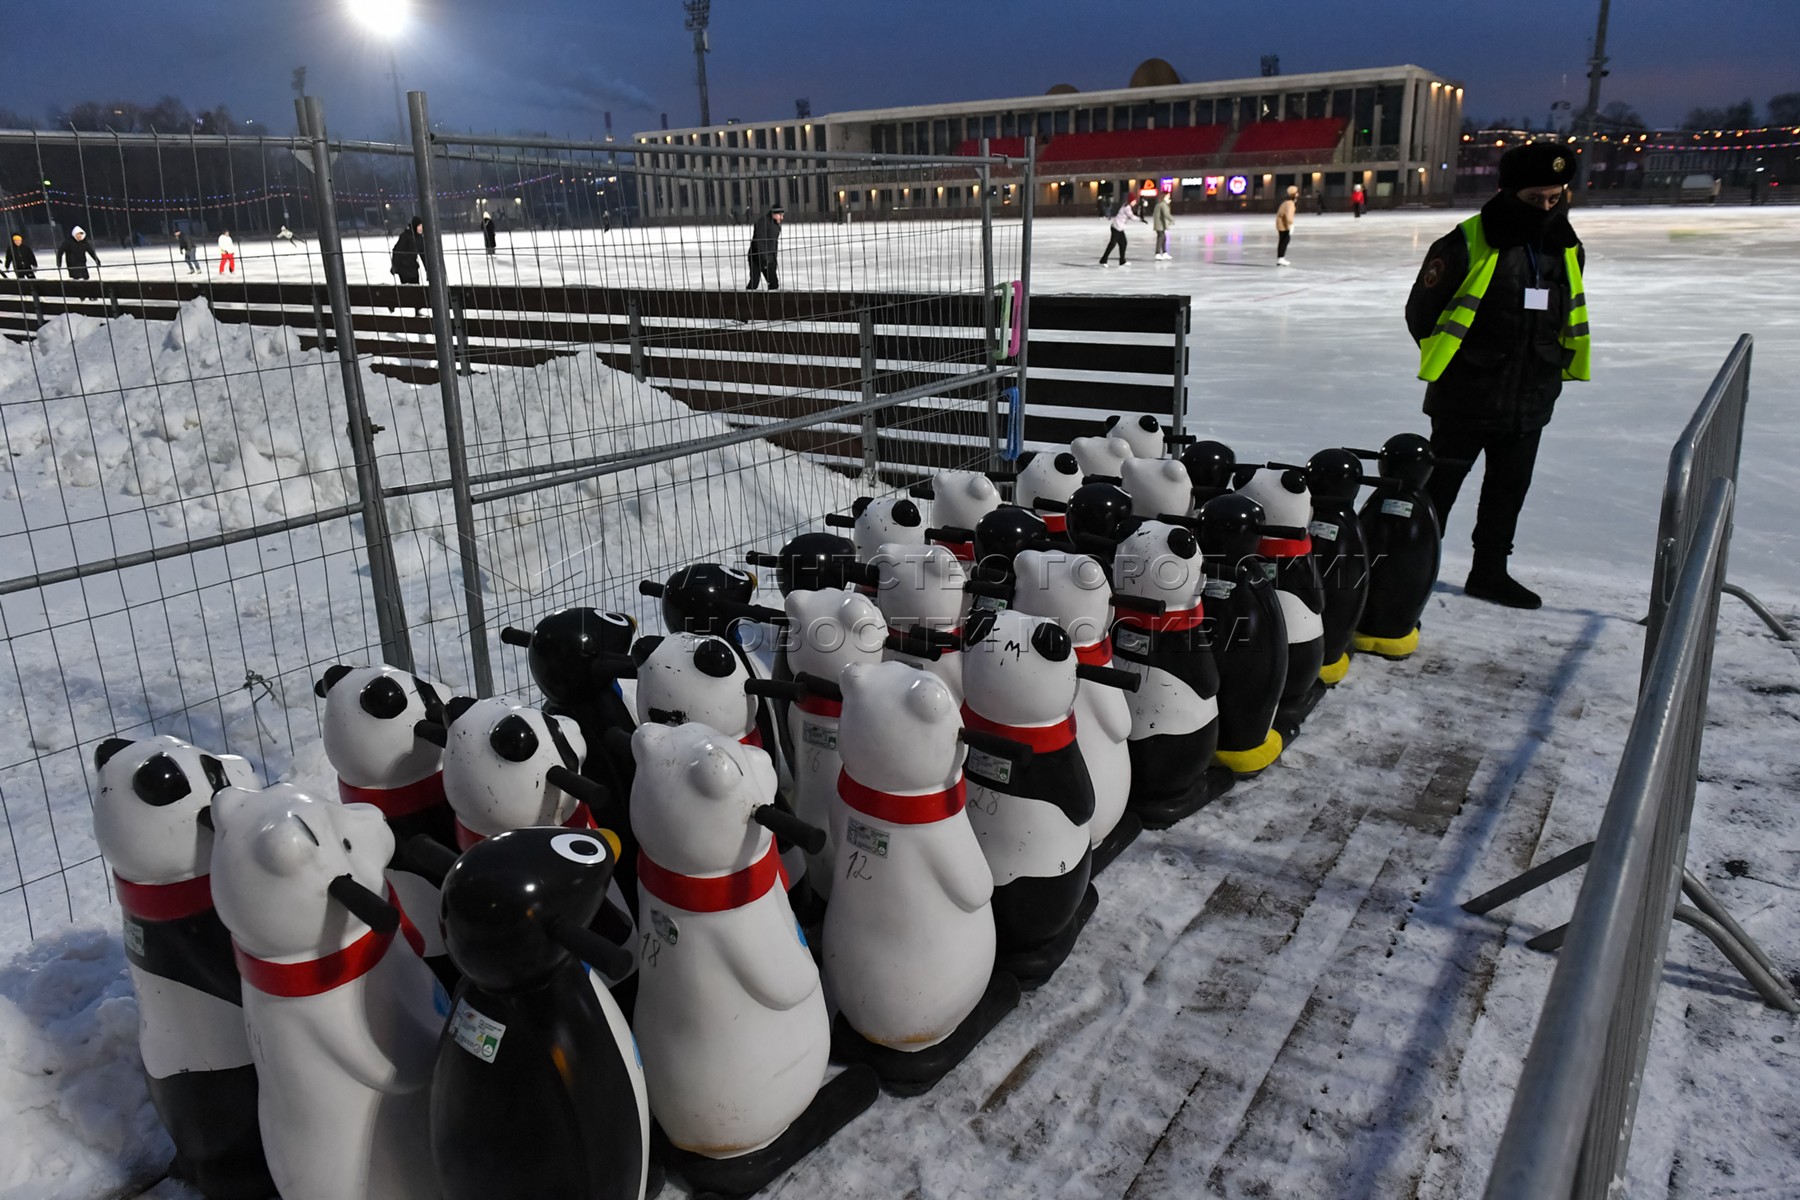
(1537, 164)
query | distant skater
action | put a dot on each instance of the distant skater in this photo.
(188, 254)
(1319, 199)
(404, 262)
(1284, 226)
(20, 258)
(488, 238)
(227, 254)
(1162, 218)
(74, 253)
(765, 245)
(1357, 200)
(1122, 216)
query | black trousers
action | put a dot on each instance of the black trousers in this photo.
(762, 269)
(1117, 239)
(1282, 238)
(1510, 459)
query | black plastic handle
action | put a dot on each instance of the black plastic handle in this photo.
(1115, 480)
(1126, 681)
(949, 533)
(1093, 543)
(1046, 504)
(579, 786)
(424, 855)
(818, 685)
(650, 587)
(516, 637)
(372, 910)
(864, 574)
(433, 732)
(610, 960)
(1381, 481)
(779, 689)
(1291, 532)
(762, 558)
(905, 643)
(1180, 439)
(1184, 522)
(1281, 466)
(1369, 454)
(1143, 604)
(1017, 753)
(790, 829)
(614, 666)
(922, 490)
(840, 520)
(996, 589)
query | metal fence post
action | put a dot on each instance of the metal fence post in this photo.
(319, 322)
(437, 289)
(1023, 316)
(871, 433)
(460, 322)
(635, 330)
(991, 358)
(1179, 406)
(384, 578)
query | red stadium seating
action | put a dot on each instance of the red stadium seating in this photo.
(1275, 137)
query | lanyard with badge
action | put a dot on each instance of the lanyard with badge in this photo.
(1537, 299)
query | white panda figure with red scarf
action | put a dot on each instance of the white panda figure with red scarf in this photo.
(1144, 434)
(1031, 816)
(921, 592)
(1101, 456)
(152, 822)
(1052, 477)
(372, 741)
(959, 499)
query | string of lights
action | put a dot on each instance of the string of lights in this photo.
(168, 204)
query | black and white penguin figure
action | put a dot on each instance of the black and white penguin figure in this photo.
(810, 562)
(999, 538)
(577, 657)
(827, 632)
(731, 1017)
(909, 942)
(1405, 546)
(892, 520)
(537, 1089)
(925, 588)
(1046, 484)
(959, 499)
(151, 822)
(1100, 518)
(1287, 547)
(372, 741)
(1144, 434)
(1073, 590)
(343, 1015)
(1031, 817)
(1101, 457)
(1210, 466)
(1335, 476)
(1175, 710)
(1244, 615)
(1157, 486)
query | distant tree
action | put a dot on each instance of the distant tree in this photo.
(214, 120)
(167, 115)
(12, 120)
(1741, 115)
(1620, 115)
(1785, 109)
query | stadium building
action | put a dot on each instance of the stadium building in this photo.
(1233, 143)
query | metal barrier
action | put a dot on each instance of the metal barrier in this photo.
(1569, 1129)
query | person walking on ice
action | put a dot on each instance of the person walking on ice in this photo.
(189, 255)
(765, 244)
(1122, 216)
(227, 253)
(488, 237)
(1500, 314)
(20, 258)
(74, 253)
(1284, 225)
(1162, 218)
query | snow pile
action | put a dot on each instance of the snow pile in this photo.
(75, 1114)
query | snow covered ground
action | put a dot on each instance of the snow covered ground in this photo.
(1280, 996)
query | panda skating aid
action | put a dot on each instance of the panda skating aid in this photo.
(877, 523)
(731, 1016)
(909, 939)
(343, 1015)
(1046, 485)
(1144, 434)
(151, 819)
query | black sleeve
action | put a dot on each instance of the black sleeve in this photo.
(1446, 263)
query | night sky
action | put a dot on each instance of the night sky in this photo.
(555, 65)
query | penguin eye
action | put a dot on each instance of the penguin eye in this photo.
(579, 848)
(383, 699)
(514, 740)
(714, 658)
(160, 781)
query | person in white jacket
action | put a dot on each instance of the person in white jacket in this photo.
(227, 253)
(1122, 216)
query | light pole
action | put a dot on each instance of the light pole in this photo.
(385, 19)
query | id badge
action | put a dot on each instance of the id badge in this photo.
(1537, 299)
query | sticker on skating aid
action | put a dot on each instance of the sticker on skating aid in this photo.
(1323, 529)
(989, 766)
(1131, 641)
(988, 604)
(134, 938)
(865, 837)
(814, 734)
(1396, 508)
(1219, 589)
(665, 928)
(475, 1033)
(1268, 570)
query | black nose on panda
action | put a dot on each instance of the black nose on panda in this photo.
(1051, 643)
(906, 514)
(1182, 543)
(514, 739)
(160, 781)
(715, 659)
(383, 698)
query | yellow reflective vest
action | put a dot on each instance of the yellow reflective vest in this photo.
(1436, 351)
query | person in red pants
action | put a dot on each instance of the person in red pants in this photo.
(227, 253)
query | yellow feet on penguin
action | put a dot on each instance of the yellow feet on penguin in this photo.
(1332, 674)
(1389, 648)
(1245, 763)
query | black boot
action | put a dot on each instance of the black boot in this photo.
(1489, 581)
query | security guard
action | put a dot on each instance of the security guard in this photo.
(1501, 320)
